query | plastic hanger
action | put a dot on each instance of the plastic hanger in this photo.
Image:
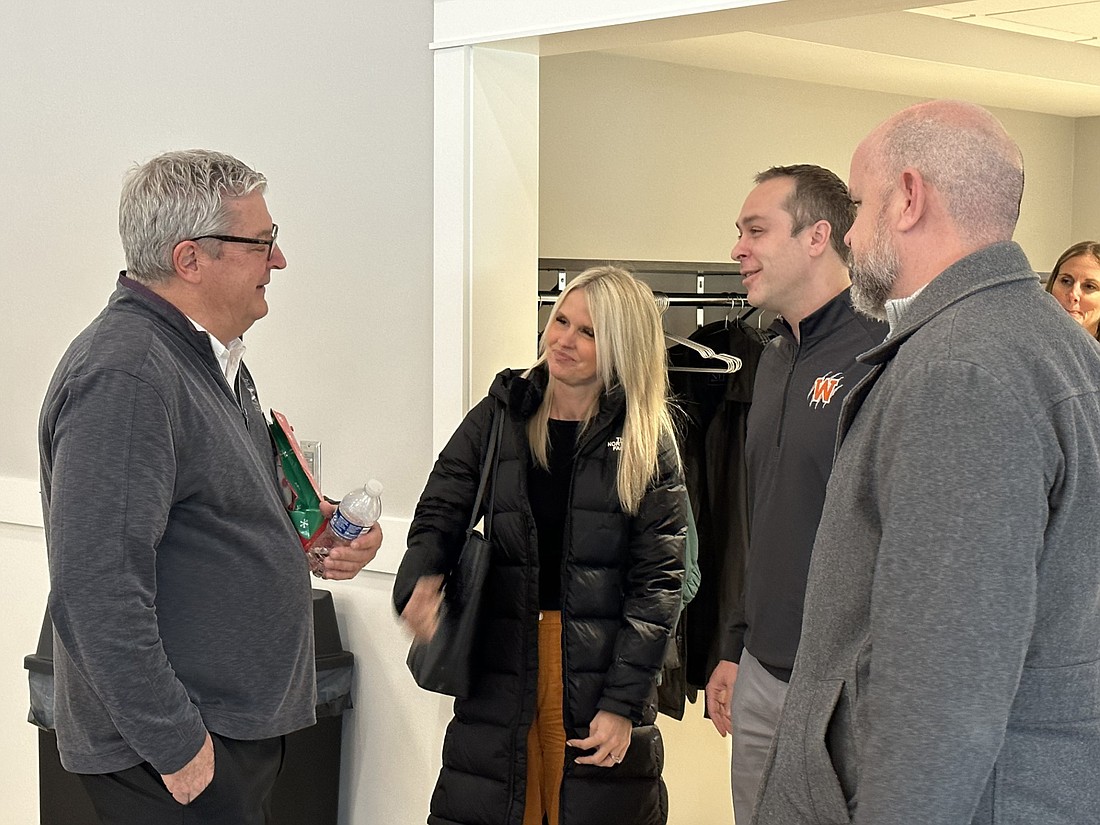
(730, 363)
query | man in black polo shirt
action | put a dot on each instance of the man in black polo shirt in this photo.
(794, 263)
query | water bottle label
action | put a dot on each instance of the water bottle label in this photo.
(347, 530)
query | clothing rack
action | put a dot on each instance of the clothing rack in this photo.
(700, 269)
(642, 267)
(732, 300)
(700, 298)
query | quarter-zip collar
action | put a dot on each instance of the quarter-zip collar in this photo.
(136, 296)
(819, 324)
(989, 267)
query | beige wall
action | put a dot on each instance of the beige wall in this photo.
(1086, 184)
(641, 160)
(645, 160)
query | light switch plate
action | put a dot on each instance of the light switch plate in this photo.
(311, 451)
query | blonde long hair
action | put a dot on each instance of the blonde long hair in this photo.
(630, 353)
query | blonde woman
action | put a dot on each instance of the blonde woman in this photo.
(584, 586)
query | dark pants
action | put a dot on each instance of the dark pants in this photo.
(239, 793)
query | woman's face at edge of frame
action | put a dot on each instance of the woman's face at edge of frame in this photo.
(1076, 286)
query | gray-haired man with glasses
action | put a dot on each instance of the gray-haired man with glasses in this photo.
(180, 594)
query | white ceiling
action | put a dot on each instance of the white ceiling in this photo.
(1071, 22)
(1020, 54)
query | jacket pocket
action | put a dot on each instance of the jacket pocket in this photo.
(1058, 695)
(827, 744)
(630, 793)
(644, 758)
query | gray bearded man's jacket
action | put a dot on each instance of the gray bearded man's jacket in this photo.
(949, 667)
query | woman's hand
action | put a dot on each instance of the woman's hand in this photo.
(421, 614)
(609, 735)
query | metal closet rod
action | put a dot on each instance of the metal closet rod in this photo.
(700, 269)
(733, 300)
(703, 299)
(643, 267)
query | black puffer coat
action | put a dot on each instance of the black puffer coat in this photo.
(621, 579)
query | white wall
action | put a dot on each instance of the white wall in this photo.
(476, 21)
(22, 592)
(333, 102)
(650, 161)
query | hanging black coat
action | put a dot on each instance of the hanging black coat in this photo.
(713, 448)
(621, 579)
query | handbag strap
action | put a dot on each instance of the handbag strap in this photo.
(489, 467)
(493, 476)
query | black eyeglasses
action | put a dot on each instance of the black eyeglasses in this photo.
(268, 242)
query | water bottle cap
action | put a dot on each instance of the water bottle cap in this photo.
(374, 487)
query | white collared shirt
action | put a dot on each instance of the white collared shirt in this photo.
(229, 358)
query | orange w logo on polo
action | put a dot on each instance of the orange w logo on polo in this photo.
(822, 391)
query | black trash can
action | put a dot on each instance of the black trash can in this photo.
(308, 789)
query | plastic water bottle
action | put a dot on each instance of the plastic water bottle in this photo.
(356, 513)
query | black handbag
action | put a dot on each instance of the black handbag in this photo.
(444, 664)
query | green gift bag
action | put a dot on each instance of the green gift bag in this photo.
(299, 488)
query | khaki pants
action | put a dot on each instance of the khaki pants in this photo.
(546, 739)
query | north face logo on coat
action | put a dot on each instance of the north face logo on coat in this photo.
(821, 393)
(616, 445)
